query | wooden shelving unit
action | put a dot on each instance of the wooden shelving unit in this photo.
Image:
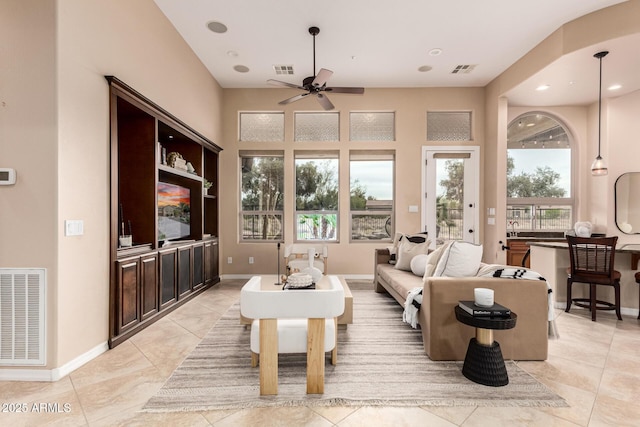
(149, 279)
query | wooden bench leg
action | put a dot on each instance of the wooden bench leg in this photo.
(254, 359)
(268, 356)
(315, 356)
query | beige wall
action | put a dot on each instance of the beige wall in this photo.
(55, 129)
(595, 194)
(28, 141)
(54, 132)
(410, 107)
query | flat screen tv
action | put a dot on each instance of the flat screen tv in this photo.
(174, 211)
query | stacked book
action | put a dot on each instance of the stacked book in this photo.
(496, 310)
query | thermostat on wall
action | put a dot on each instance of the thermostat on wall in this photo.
(7, 176)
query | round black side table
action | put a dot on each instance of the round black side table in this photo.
(483, 362)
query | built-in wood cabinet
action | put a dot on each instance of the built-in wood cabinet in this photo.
(517, 251)
(164, 224)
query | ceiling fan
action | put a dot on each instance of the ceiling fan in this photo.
(316, 84)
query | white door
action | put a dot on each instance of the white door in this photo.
(451, 186)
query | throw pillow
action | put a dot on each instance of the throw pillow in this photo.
(432, 260)
(416, 238)
(407, 251)
(419, 264)
(460, 259)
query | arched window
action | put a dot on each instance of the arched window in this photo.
(539, 174)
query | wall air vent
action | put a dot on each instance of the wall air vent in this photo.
(463, 69)
(22, 317)
(283, 69)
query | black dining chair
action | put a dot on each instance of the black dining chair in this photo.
(592, 261)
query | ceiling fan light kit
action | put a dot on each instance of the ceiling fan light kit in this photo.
(316, 84)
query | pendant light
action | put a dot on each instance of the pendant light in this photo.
(598, 167)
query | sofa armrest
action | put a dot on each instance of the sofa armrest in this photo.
(380, 256)
(527, 298)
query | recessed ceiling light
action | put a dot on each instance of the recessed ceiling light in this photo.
(217, 27)
(424, 68)
(241, 68)
(435, 52)
(232, 53)
(543, 87)
(614, 87)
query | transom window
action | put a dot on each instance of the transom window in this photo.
(539, 174)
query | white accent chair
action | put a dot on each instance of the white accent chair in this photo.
(297, 257)
(292, 321)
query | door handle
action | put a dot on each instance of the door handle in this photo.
(504, 248)
(471, 230)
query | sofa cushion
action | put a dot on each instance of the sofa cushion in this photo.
(432, 260)
(407, 250)
(401, 281)
(459, 259)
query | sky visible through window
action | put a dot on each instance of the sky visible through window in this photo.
(376, 176)
(558, 159)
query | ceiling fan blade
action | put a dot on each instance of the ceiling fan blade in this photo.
(356, 90)
(293, 99)
(324, 102)
(322, 77)
(285, 84)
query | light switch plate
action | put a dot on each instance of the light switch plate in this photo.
(413, 208)
(73, 227)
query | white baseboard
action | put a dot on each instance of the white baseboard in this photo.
(53, 374)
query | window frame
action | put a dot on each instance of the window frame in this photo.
(373, 155)
(315, 155)
(536, 204)
(260, 213)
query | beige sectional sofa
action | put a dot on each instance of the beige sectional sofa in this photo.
(447, 339)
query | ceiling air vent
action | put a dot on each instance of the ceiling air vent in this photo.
(283, 69)
(463, 69)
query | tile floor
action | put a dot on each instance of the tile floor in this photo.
(594, 366)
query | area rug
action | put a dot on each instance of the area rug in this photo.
(381, 362)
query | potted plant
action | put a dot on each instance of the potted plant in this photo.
(206, 185)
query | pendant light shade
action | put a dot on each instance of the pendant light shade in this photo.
(599, 167)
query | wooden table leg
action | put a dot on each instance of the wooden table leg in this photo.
(268, 356)
(315, 356)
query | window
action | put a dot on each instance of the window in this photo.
(317, 127)
(449, 126)
(371, 176)
(372, 126)
(316, 196)
(539, 174)
(262, 127)
(261, 196)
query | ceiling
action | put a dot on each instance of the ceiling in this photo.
(383, 44)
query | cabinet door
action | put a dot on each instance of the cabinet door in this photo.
(515, 254)
(198, 266)
(168, 270)
(211, 269)
(149, 284)
(184, 271)
(128, 294)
